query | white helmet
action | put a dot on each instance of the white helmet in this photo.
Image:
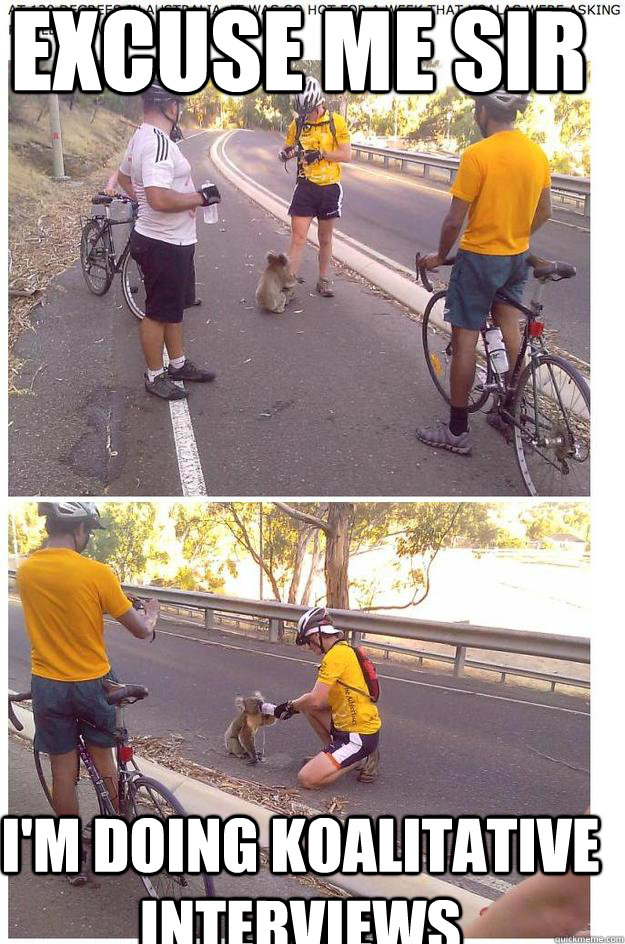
(503, 104)
(72, 512)
(310, 98)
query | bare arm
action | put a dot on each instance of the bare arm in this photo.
(540, 906)
(139, 624)
(543, 210)
(452, 226)
(170, 201)
(316, 699)
(125, 182)
(340, 155)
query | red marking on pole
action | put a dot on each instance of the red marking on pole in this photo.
(55, 135)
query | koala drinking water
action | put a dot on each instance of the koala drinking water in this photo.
(240, 736)
(275, 289)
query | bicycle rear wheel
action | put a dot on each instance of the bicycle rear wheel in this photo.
(88, 801)
(551, 412)
(133, 287)
(437, 350)
(95, 257)
(147, 797)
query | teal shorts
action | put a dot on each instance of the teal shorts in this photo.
(63, 710)
(474, 282)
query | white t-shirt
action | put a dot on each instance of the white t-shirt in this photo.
(153, 160)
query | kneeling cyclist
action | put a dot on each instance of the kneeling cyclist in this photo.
(339, 708)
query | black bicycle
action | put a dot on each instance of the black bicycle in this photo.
(137, 795)
(542, 405)
(101, 261)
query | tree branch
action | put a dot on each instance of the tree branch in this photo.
(302, 516)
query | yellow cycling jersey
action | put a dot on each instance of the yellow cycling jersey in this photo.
(502, 178)
(352, 709)
(317, 136)
(64, 596)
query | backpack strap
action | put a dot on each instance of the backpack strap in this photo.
(353, 687)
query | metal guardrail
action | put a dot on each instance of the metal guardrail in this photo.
(461, 636)
(562, 185)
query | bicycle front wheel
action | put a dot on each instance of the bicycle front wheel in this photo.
(133, 287)
(551, 413)
(147, 797)
(95, 257)
(438, 351)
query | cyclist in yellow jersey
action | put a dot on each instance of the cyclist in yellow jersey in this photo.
(321, 142)
(504, 185)
(64, 597)
(339, 707)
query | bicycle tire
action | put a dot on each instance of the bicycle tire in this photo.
(84, 784)
(133, 287)
(563, 420)
(438, 359)
(148, 797)
(94, 258)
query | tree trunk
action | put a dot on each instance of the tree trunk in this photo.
(303, 538)
(312, 573)
(340, 520)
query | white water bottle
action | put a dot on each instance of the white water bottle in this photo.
(497, 350)
(210, 212)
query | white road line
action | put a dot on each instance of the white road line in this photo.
(491, 881)
(189, 465)
(391, 678)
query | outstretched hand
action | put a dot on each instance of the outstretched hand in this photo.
(284, 711)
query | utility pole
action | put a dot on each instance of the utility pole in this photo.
(260, 543)
(58, 166)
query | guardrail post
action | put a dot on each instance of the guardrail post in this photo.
(209, 620)
(461, 652)
(356, 638)
(274, 630)
(402, 166)
(587, 206)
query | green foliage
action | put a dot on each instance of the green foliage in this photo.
(129, 542)
(27, 527)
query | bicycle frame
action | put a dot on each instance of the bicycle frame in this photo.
(106, 225)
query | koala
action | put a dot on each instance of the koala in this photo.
(240, 736)
(275, 289)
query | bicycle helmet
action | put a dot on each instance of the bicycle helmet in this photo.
(72, 512)
(310, 98)
(502, 104)
(157, 96)
(315, 620)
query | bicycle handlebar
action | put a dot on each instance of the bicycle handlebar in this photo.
(17, 724)
(422, 271)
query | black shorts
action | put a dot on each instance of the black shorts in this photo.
(347, 748)
(314, 200)
(168, 276)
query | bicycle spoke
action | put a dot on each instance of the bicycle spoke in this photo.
(552, 430)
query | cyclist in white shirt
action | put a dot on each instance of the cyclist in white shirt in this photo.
(164, 237)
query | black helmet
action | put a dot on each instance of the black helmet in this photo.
(503, 105)
(72, 512)
(157, 96)
(316, 619)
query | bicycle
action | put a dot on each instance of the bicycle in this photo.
(137, 794)
(544, 404)
(99, 259)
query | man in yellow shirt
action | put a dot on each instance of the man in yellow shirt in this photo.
(504, 184)
(339, 707)
(64, 597)
(321, 142)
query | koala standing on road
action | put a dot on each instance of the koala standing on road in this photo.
(275, 289)
(240, 736)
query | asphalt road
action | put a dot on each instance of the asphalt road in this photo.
(396, 214)
(46, 906)
(448, 747)
(322, 400)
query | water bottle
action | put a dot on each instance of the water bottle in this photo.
(210, 212)
(497, 350)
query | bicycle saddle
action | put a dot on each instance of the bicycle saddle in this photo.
(555, 270)
(116, 694)
(101, 199)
